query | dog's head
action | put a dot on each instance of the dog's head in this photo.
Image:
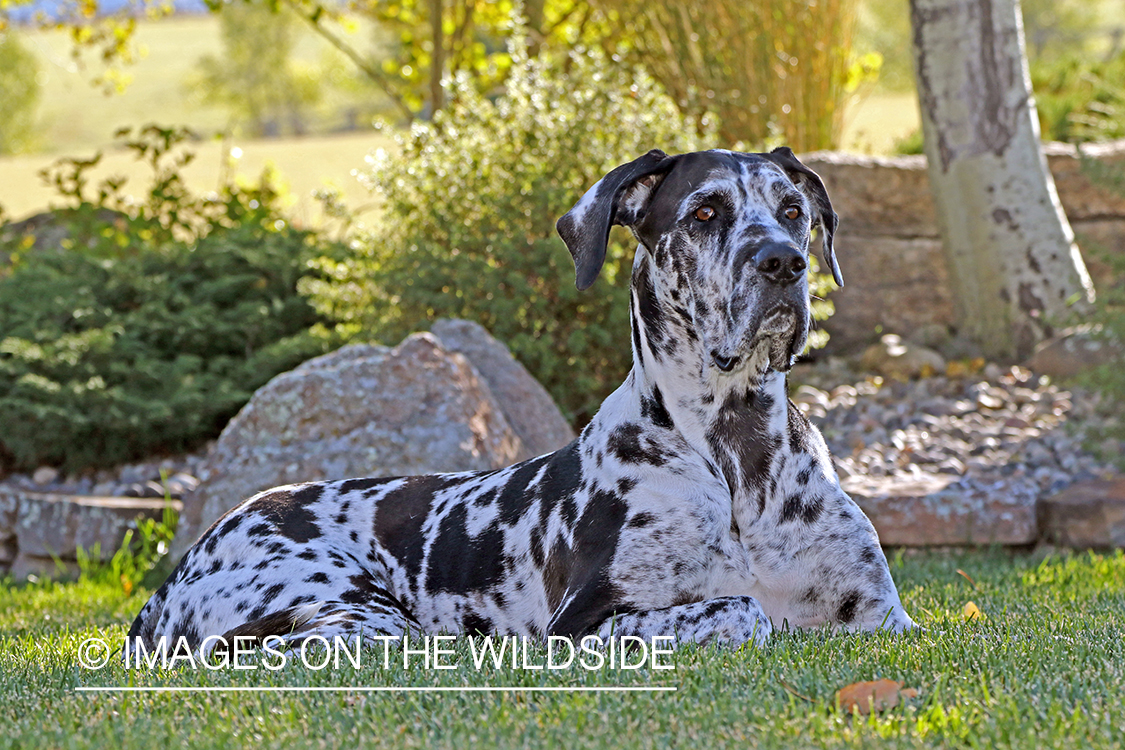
(724, 248)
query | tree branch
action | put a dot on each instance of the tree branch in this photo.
(377, 76)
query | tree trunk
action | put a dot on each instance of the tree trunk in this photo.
(1015, 269)
(437, 61)
(533, 11)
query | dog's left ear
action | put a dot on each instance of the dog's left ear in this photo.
(809, 183)
(620, 197)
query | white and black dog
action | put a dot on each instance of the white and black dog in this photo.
(699, 503)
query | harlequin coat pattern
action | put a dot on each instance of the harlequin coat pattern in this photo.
(697, 503)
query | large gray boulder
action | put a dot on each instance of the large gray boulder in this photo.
(368, 410)
(529, 408)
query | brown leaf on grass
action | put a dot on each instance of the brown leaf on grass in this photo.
(862, 697)
(967, 577)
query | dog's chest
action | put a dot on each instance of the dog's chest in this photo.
(678, 545)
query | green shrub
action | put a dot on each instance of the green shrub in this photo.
(1079, 99)
(107, 359)
(468, 223)
(144, 333)
(911, 143)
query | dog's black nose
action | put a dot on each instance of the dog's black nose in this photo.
(781, 264)
(726, 364)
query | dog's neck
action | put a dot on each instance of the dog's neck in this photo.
(736, 420)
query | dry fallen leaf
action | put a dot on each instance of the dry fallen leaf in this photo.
(877, 694)
(971, 611)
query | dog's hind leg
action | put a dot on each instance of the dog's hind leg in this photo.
(732, 620)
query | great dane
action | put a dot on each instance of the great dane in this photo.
(698, 503)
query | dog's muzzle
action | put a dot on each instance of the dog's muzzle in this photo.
(783, 324)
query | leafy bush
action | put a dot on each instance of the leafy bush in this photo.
(468, 223)
(1080, 100)
(123, 340)
(771, 69)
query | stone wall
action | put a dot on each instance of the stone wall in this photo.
(890, 250)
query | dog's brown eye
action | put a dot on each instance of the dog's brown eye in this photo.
(704, 213)
(792, 212)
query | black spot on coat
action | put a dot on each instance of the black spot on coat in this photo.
(287, 510)
(845, 613)
(653, 409)
(741, 441)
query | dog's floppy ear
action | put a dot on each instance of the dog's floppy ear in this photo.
(809, 183)
(620, 197)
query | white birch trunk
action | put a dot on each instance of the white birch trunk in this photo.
(1015, 268)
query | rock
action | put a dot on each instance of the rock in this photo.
(1084, 198)
(45, 475)
(48, 231)
(9, 544)
(26, 566)
(1088, 514)
(960, 347)
(183, 481)
(1073, 352)
(878, 195)
(897, 283)
(992, 371)
(807, 394)
(930, 335)
(940, 510)
(138, 489)
(137, 473)
(528, 407)
(361, 411)
(898, 360)
(37, 527)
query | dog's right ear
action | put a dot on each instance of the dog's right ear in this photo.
(620, 197)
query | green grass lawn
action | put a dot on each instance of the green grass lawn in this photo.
(1045, 667)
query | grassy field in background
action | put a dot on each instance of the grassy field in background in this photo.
(312, 162)
(77, 119)
(875, 124)
(1043, 668)
(304, 164)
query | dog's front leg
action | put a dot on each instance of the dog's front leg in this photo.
(731, 620)
(819, 563)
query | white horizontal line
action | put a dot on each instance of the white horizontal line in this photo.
(391, 689)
